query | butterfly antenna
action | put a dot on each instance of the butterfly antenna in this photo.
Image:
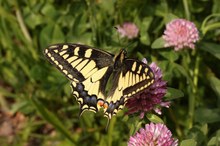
(119, 40)
(128, 45)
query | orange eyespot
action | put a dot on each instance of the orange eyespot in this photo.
(100, 103)
(105, 106)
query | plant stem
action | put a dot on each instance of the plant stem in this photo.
(4, 105)
(22, 24)
(93, 21)
(194, 90)
(186, 8)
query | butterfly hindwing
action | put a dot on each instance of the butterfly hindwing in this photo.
(90, 93)
(139, 76)
(134, 77)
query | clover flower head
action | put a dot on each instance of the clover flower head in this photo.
(151, 135)
(180, 33)
(128, 29)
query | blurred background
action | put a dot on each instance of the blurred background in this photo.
(36, 105)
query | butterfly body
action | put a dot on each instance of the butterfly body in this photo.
(98, 78)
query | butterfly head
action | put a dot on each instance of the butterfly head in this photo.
(119, 58)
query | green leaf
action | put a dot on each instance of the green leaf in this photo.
(154, 118)
(173, 93)
(205, 115)
(204, 129)
(57, 35)
(215, 84)
(170, 17)
(144, 25)
(213, 141)
(183, 71)
(80, 24)
(158, 43)
(107, 6)
(51, 34)
(5, 92)
(188, 142)
(212, 48)
(162, 9)
(215, 7)
(135, 125)
(45, 35)
(49, 11)
(170, 55)
(145, 39)
(21, 105)
(33, 19)
(37, 72)
(50, 117)
(210, 23)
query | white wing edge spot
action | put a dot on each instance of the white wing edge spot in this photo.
(46, 51)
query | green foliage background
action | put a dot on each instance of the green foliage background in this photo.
(31, 86)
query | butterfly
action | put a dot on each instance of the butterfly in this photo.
(100, 80)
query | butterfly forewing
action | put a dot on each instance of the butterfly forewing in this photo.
(87, 68)
(77, 62)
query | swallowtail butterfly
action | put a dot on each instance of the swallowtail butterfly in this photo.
(100, 79)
